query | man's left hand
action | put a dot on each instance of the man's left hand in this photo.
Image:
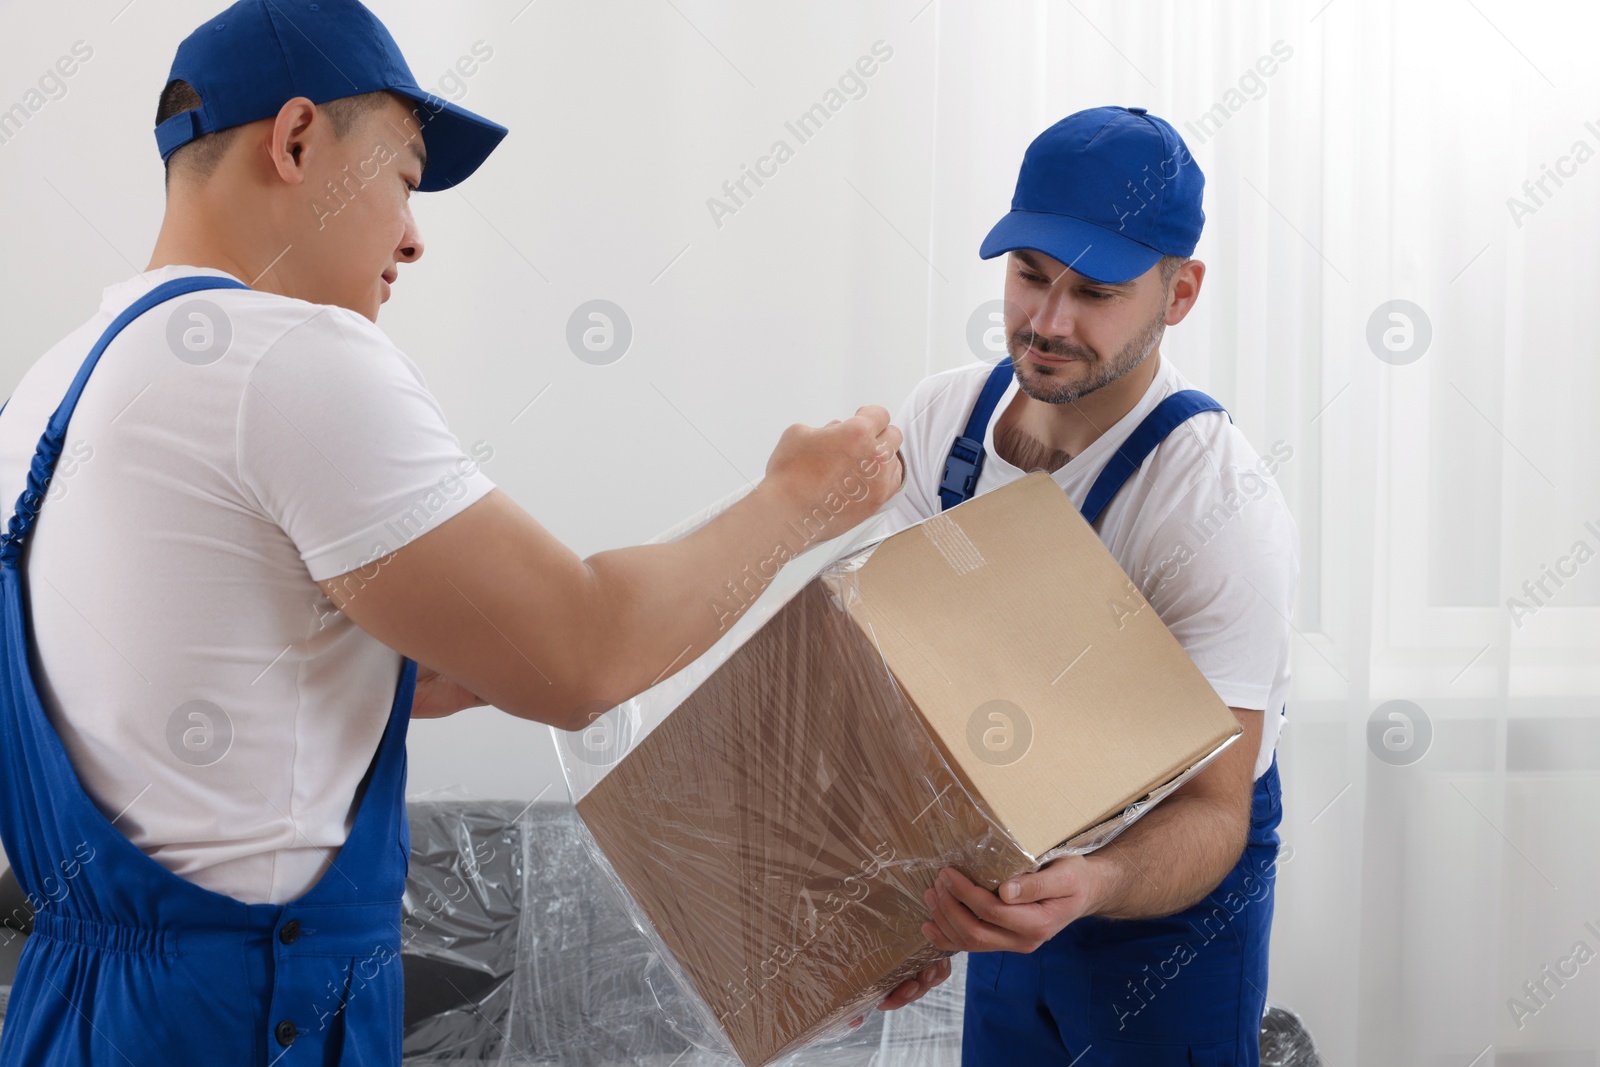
(1024, 914)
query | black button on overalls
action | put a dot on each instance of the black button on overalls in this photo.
(286, 1033)
(290, 932)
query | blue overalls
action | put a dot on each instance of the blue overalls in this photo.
(130, 965)
(1186, 989)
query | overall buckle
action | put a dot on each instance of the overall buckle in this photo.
(962, 467)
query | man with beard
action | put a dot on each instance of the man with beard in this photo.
(1153, 949)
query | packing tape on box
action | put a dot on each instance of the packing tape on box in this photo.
(953, 544)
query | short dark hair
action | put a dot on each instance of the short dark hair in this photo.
(201, 155)
(1169, 266)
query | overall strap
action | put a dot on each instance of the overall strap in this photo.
(50, 443)
(1167, 416)
(965, 461)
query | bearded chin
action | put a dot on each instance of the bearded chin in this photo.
(1041, 385)
(1043, 388)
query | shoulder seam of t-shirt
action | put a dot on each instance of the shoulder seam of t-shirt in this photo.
(318, 311)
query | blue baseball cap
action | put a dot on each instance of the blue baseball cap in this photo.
(1108, 192)
(256, 56)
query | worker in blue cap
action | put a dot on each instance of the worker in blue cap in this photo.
(264, 552)
(1152, 950)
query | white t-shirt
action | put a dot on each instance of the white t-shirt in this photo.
(1201, 528)
(213, 702)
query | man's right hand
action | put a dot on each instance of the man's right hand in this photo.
(844, 471)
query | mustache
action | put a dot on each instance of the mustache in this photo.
(1027, 338)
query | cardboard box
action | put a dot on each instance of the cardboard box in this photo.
(980, 690)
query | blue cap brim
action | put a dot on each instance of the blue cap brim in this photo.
(457, 140)
(1097, 253)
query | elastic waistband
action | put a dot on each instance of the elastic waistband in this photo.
(112, 937)
(342, 930)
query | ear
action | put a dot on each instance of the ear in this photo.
(1186, 283)
(290, 140)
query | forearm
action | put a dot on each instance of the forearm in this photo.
(666, 604)
(493, 603)
(1170, 859)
